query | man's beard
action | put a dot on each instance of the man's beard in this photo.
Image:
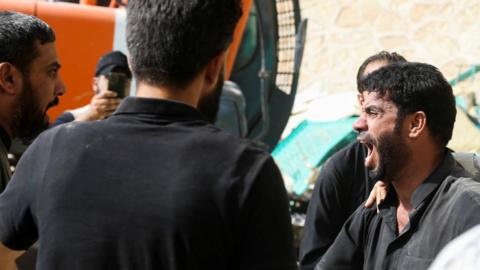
(28, 119)
(393, 155)
(208, 105)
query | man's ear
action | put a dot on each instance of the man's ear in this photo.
(417, 124)
(10, 78)
(213, 70)
(360, 98)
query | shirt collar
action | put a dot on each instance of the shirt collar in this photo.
(434, 180)
(169, 108)
(7, 141)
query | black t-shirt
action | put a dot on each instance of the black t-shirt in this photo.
(343, 184)
(152, 187)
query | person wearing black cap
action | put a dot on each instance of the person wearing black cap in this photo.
(105, 101)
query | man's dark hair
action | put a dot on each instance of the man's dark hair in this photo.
(382, 56)
(170, 41)
(19, 34)
(416, 87)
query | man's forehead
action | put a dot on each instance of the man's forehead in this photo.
(374, 98)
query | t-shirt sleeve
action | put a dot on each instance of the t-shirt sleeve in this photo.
(266, 239)
(325, 214)
(18, 230)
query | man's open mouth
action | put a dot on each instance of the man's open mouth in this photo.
(53, 103)
(366, 140)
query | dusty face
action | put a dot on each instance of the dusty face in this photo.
(41, 86)
(379, 132)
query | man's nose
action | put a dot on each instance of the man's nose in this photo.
(60, 88)
(360, 124)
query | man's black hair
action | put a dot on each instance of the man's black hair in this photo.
(19, 34)
(416, 87)
(383, 56)
(170, 41)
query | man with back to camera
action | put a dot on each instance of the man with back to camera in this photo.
(408, 112)
(154, 186)
(343, 184)
(104, 102)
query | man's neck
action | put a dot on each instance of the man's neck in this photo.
(189, 95)
(413, 175)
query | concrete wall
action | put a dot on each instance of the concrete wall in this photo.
(342, 33)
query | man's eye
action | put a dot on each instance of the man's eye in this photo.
(371, 112)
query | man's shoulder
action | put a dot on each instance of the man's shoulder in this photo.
(461, 188)
(233, 146)
(467, 185)
(72, 129)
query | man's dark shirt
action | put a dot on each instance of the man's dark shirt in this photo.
(343, 184)
(446, 204)
(5, 172)
(152, 187)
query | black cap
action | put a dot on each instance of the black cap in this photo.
(110, 61)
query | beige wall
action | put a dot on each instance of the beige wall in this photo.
(342, 33)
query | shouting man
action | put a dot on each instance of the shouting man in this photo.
(408, 112)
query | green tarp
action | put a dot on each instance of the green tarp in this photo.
(306, 148)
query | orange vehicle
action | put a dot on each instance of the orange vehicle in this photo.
(264, 59)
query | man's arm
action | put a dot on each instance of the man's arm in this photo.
(7, 257)
(64, 118)
(266, 238)
(102, 105)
